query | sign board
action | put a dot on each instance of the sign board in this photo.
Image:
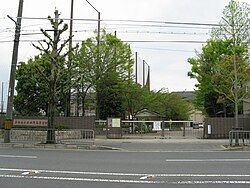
(209, 129)
(157, 126)
(114, 122)
(114, 129)
(7, 124)
(30, 122)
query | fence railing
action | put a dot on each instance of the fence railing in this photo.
(238, 137)
(154, 128)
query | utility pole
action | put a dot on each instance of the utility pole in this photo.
(143, 73)
(98, 28)
(136, 59)
(8, 119)
(2, 100)
(98, 52)
(68, 97)
(148, 78)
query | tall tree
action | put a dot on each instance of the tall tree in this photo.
(228, 42)
(203, 69)
(115, 62)
(95, 63)
(53, 49)
(235, 26)
(84, 78)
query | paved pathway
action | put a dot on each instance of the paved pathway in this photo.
(132, 144)
(163, 144)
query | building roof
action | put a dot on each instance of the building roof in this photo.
(187, 95)
(147, 113)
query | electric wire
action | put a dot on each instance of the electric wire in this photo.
(133, 21)
(128, 41)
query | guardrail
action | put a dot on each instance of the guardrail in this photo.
(81, 136)
(239, 137)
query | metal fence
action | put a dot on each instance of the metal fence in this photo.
(239, 137)
(80, 136)
(154, 129)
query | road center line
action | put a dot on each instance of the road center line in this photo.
(18, 156)
(123, 174)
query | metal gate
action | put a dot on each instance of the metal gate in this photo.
(156, 129)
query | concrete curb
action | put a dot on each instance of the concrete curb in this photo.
(236, 148)
(56, 146)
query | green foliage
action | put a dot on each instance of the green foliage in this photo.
(102, 68)
(40, 86)
(32, 88)
(134, 97)
(214, 67)
(109, 96)
(169, 106)
(234, 24)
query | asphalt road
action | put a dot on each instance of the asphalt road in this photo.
(26, 168)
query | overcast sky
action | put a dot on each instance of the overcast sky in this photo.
(168, 61)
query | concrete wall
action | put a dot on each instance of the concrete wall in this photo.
(40, 135)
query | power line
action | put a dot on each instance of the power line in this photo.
(164, 41)
(161, 32)
(132, 41)
(138, 25)
(165, 49)
(133, 21)
(34, 32)
(163, 22)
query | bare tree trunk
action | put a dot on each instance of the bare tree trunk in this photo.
(51, 115)
(52, 84)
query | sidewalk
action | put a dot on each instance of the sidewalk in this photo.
(151, 145)
(163, 144)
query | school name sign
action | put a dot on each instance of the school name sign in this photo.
(30, 122)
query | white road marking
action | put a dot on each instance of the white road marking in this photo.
(25, 173)
(207, 160)
(33, 172)
(148, 177)
(212, 182)
(124, 181)
(18, 156)
(82, 179)
(124, 174)
(169, 151)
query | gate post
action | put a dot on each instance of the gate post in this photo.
(162, 129)
(184, 129)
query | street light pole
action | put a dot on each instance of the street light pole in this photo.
(2, 100)
(68, 96)
(98, 47)
(99, 22)
(8, 118)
